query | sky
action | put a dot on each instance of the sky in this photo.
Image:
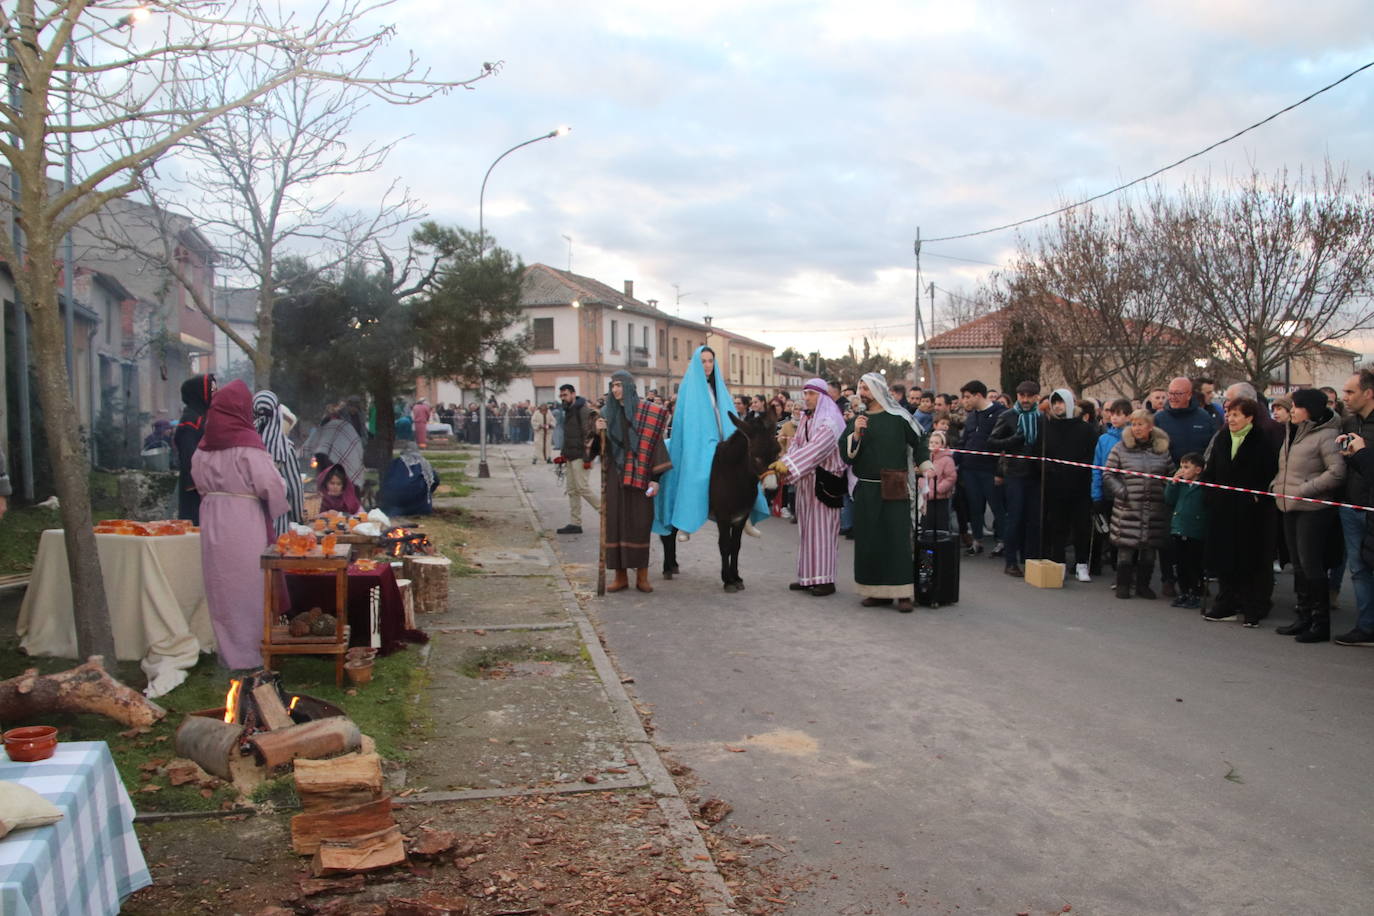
(770, 163)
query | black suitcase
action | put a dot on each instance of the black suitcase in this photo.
(937, 568)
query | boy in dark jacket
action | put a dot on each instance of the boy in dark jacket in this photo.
(1188, 528)
(1068, 490)
(1018, 432)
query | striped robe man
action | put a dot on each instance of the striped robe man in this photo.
(816, 445)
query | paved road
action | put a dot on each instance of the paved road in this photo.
(1022, 751)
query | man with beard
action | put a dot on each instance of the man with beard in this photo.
(634, 449)
(881, 445)
(815, 447)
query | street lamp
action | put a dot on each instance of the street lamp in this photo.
(482, 469)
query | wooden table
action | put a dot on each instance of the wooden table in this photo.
(276, 637)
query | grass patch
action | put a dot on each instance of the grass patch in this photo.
(383, 710)
(24, 526)
(475, 663)
(447, 529)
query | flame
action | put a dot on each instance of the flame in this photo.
(231, 701)
(292, 707)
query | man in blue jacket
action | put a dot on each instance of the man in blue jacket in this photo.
(1190, 428)
(977, 473)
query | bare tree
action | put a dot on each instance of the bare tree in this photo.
(1273, 269)
(1103, 301)
(123, 111)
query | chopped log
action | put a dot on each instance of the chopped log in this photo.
(271, 708)
(359, 853)
(209, 742)
(429, 578)
(407, 590)
(86, 688)
(338, 782)
(309, 830)
(319, 738)
(310, 887)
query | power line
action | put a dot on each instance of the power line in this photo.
(857, 327)
(950, 257)
(1159, 171)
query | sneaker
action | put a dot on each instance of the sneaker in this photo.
(570, 529)
(1081, 573)
(1180, 601)
(1278, 567)
(1355, 637)
(998, 550)
(785, 512)
(974, 549)
(1192, 602)
(1220, 616)
(1250, 624)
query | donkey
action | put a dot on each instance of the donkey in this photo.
(740, 462)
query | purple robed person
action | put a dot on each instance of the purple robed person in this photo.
(241, 493)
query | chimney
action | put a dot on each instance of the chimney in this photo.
(653, 303)
(629, 289)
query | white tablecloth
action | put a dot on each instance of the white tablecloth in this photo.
(89, 861)
(156, 597)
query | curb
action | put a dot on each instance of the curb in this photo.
(696, 858)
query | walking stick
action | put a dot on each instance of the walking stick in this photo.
(601, 561)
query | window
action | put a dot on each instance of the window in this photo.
(662, 340)
(543, 333)
(629, 335)
(675, 356)
(645, 337)
(615, 335)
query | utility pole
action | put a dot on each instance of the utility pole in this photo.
(677, 304)
(916, 349)
(930, 365)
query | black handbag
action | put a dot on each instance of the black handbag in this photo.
(830, 488)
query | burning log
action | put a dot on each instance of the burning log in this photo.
(270, 707)
(319, 738)
(310, 829)
(338, 782)
(429, 576)
(403, 542)
(86, 688)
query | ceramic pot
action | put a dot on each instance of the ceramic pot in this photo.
(33, 742)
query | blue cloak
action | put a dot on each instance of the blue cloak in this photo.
(698, 426)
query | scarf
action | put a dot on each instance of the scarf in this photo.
(338, 441)
(877, 386)
(267, 412)
(229, 422)
(346, 502)
(410, 454)
(1028, 421)
(827, 412)
(1238, 437)
(619, 416)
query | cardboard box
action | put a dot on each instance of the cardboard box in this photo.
(1045, 573)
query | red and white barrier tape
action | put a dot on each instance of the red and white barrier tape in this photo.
(1196, 483)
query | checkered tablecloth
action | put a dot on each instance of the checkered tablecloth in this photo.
(89, 861)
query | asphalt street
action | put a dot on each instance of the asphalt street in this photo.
(1022, 751)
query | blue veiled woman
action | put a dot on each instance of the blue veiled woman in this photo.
(700, 422)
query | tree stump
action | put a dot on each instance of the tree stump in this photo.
(407, 590)
(86, 688)
(429, 577)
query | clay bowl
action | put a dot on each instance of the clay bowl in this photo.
(359, 672)
(33, 742)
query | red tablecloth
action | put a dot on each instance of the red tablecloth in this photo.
(309, 590)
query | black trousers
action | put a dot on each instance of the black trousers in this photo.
(1189, 553)
(1068, 520)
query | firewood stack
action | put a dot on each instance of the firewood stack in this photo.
(347, 823)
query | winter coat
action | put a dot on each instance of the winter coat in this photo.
(978, 426)
(1140, 517)
(1359, 478)
(1070, 439)
(1189, 429)
(578, 429)
(1190, 509)
(946, 475)
(1105, 443)
(1006, 438)
(1240, 526)
(1310, 464)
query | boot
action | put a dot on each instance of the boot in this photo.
(1319, 630)
(1125, 574)
(1302, 610)
(1143, 571)
(642, 580)
(622, 582)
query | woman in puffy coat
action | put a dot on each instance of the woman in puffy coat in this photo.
(1240, 542)
(1310, 464)
(1140, 517)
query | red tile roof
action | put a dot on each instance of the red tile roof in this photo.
(984, 333)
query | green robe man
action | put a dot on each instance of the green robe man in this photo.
(884, 438)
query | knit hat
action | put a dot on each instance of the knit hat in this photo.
(1313, 400)
(1282, 401)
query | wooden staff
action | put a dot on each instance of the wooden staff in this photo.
(601, 561)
